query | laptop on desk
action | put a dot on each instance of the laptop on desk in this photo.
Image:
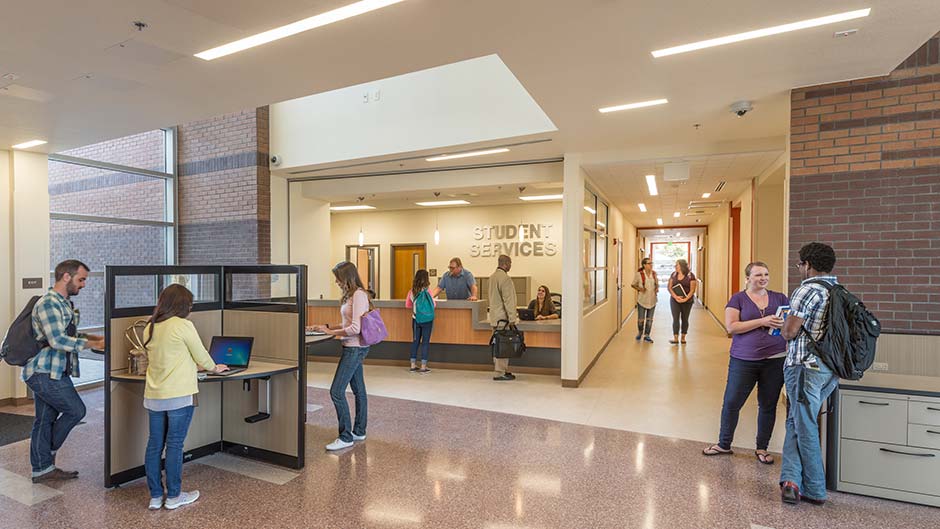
(233, 351)
(526, 314)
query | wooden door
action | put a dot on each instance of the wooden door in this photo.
(406, 260)
(735, 250)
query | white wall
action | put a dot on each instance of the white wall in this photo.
(457, 227)
(310, 240)
(746, 201)
(7, 373)
(769, 229)
(718, 255)
(572, 204)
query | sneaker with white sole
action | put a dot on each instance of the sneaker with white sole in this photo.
(339, 444)
(156, 503)
(359, 437)
(185, 498)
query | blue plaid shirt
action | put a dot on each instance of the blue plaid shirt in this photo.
(51, 317)
(808, 302)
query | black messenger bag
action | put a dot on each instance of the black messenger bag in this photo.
(507, 341)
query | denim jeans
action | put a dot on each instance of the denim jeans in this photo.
(742, 375)
(349, 373)
(422, 339)
(802, 456)
(680, 314)
(644, 319)
(167, 428)
(58, 410)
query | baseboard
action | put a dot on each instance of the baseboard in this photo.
(717, 320)
(569, 383)
(15, 401)
(629, 315)
(440, 365)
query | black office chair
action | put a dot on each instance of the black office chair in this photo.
(556, 300)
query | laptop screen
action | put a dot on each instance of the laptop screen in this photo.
(233, 351)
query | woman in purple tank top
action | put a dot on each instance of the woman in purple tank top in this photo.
(757, 356)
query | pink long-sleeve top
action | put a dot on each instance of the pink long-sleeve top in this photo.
(410, 302)
(352, 312)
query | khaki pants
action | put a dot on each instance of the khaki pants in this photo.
(501, 365)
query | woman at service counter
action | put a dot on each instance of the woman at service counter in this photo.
(174, 351)
(757, 357)
(681, 305)
(646, 284)
(422, 305)
(542, 306)
(353, 306)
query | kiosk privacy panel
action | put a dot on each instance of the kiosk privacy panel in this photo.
(258, 413)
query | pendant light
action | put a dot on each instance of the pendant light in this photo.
(362, 237)
(437, 231)
(521, 233)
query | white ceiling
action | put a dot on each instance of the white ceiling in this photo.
(572, 57)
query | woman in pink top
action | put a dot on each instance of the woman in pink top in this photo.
(422, 305)
(354, 304)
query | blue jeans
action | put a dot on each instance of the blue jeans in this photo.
(167, 428)
(644, 319)
(802, 456)
(349, 373)
(742, 376)
(58, 410)
(422, 338)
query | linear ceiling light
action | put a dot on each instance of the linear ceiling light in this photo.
(351, 208)
(676, 215)
(443, 203)
(706, 195)
(765, 32)
(631, 106)
(590, 210)
(642, 207)
(541, 197)
(659, 222)
(651, 184)
(466, 154)
(28, 144)
(323, 19)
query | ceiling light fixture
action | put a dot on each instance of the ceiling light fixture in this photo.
(676, 215)
(28, 144)
(541, 197)
(323, 19)
(631, 106)
(443, 203)
(662, 231)
(706, 195)
(642, 207)
(765, 32)
(466, 154)
(351, 208)
(590, 210)
(651, 184)
(659, 222)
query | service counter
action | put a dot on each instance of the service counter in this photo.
(460, 338)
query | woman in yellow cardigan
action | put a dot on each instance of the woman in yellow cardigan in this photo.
(174, 351)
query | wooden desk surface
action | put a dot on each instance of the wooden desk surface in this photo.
(256, 369)
(315, 339)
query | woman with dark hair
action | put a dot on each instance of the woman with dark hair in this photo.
(174, 351)
(682, 286)
(646, 283)
(542, 306)
(354, 304)
(757, 357)
(422, 305)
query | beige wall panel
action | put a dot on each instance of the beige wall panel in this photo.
(278, 433)
(208, 324)
(275, 333)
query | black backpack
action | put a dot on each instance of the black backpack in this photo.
(848, 342)
(19, 344)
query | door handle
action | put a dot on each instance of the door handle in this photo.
(931, 431)
(874, 403)
(904, 453)
(933, 409)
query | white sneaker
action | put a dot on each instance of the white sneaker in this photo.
(338, 444)
(358, 437)
(156, 503)
(185, 498)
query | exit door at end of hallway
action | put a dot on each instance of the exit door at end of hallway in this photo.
(406, 260)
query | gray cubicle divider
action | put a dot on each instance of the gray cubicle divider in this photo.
(258, 414)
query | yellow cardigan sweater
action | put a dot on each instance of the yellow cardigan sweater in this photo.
(174, 354)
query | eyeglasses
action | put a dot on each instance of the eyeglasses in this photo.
(800, 264)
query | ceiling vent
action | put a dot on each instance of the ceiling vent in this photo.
(676, 172)
(695, 213)
(704, 204)
(720, 186)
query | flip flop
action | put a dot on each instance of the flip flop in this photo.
(715, 450)
(764, 457)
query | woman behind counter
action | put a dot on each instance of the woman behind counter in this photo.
(174, 351)
(542, 306)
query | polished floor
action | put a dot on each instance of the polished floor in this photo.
(433, 466)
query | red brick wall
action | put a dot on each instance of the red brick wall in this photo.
(865, 178)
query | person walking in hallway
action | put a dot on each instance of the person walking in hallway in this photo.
(646, 284)
(757, 356)
(422, 306)
(48, 374)
(682, 286)
(502, 298)
(808, 379)
(354, 304)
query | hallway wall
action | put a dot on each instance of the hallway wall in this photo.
(746, 201)
(718, 252)
(769, 228)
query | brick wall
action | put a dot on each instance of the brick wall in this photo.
(865, 178)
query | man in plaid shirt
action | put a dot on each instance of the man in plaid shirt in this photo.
(48, 374)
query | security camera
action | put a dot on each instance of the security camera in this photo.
(741, 107)
(275, 159)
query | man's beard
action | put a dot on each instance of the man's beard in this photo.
(72, 289)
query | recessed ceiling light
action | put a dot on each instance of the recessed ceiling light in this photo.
(765, 32)
(662, 231)
(642, 207)
(706, 195)
(541, 197)
(316, 21)
(676, 215)
(678, 235)
(651, 184)
(659, 222)
(465, 154)
(443, 203)
(630, 106)
(28, 144)
(351, 208)
(590, 210)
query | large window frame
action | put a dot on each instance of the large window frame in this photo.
(169, 224)
(595, 260)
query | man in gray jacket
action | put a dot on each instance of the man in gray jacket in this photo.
(502, 297)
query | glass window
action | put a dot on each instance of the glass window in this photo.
(146, 150)
(590, 209)
(77, 189)
(596, 217)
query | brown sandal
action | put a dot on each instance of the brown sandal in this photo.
(764, 457)
(715, 450)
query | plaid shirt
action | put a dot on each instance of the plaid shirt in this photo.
(51, 317)
(809, 302)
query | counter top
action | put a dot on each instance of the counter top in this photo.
(255, 369)
(926, 386)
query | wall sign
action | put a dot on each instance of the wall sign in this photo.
(535, 240)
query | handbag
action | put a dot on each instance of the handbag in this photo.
(507, 341)
(137, 360)
(371, 327)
